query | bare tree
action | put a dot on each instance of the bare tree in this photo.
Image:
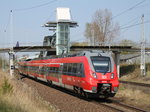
(101, 30)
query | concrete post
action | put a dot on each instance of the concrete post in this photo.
(117, 61)
(11, 62)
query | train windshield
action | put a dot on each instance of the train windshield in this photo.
(101, 64)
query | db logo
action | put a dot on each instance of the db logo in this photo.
(104, 77)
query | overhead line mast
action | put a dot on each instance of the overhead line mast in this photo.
(11, 52)
(143, 69)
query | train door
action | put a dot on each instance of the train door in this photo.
(75, 78)
(59, 75)
(66, 74)
(45, 71)
(42, 71)
(80, 73)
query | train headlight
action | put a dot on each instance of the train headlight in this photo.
(94, 75)
(112, 76)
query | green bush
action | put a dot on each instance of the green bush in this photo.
(126, 69)
(5, 107)
(6, 87)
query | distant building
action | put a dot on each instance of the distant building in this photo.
(17, 44)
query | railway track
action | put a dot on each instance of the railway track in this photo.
(135, 83)
(110, 104)
(69, 102)
(137, 86)
(119, 106)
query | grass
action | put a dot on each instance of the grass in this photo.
(15, 96)
(5, 107)
(134, 97)
(6, 87)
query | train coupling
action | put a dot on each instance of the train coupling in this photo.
(104, 88)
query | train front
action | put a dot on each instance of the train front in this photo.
(103, 79)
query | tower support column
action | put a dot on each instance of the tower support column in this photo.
(117, 62)
(63, 38)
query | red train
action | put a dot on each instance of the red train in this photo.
(90, 73)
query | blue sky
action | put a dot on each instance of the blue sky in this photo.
(27, 23)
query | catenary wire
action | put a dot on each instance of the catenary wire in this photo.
(131, 8)
(8, 22)
(44, 4)
(36, 6)
(134, 25)
(127, 27)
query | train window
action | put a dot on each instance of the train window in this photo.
(49, 71)
(32, 69)
(60, 69)
(42, 70)
(45, 70)
(37, 70)
(56, 69)
(74, 69)
(101, 64)
(52, 70)
(80, 70)
(65, 68)
(69, 68)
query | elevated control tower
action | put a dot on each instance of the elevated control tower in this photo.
(62, 27)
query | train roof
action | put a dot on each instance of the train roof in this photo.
(83, 53)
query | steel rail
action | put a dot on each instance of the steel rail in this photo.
(135, 83)
(108, 106)
(119, 106)
(128, 106)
